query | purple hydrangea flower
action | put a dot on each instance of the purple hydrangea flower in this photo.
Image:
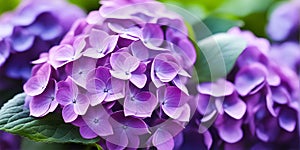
(9, 141)
(120, 77)
(31, 29)
(286, 18)
(74, 101)
(257, 100)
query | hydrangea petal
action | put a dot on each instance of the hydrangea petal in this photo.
(68, 113)
(249, 77)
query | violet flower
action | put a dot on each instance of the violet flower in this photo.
(75, 102)
(117, 76)
(9, 141)
(286, 18)
(258, 99)
(31, 29)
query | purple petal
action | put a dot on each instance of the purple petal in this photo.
(152, 35)
(67, 92)
(119, 139)
(97, 120)
(40, 105)
(80, 68)
(81, 105)
(163, 140)
(235, 108)
(69, 114)
(219, 88)
(87, 133)
(139, 50)
(4, 53)
(46, 26)
(230, 131)
(180, 84)
(61, 55)
(22, 40)
(96, 37)
(181, 113)
(288, 119)
(139, 80)
(124, 62)
(37, 84)
(173, 97)
(280, 95)
(165, 71)
(141, 105)
(250, 77)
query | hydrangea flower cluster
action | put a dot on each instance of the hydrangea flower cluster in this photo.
(285, 17)
(31, 29)
(286, 48)
(120, 74)
(257, 104)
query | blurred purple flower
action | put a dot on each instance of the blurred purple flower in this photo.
(9, 141)
(258, 99)
(285, 17)
(31, 29)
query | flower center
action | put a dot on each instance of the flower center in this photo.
(74, 101)
(96, 121)
(105, 90)
(125, 127)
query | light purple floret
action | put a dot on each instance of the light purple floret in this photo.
(258, 100)
(31, 29)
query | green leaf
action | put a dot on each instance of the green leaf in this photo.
(14, 118)
(216, 55)
(218, 24)
(87, 5)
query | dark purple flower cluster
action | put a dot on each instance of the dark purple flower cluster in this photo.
(31, 29)
(120, 74)
(257, 105)
(9, 141)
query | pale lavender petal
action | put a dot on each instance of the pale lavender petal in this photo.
(180, 84)
(97, 120)
(230, 131)
(139, 80)
(141, 105)
(235, 108)
(280, 95)
(288, 119)
(37, 84)
(250, 77)
(123, 61)
(166, 71)
(41, 105)
(219, 88)
(81, 105)
(61, 55)
(68, 113)
(152, 35)
(163, 140)
(87, 133)
(80, 68)
(96, 37)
